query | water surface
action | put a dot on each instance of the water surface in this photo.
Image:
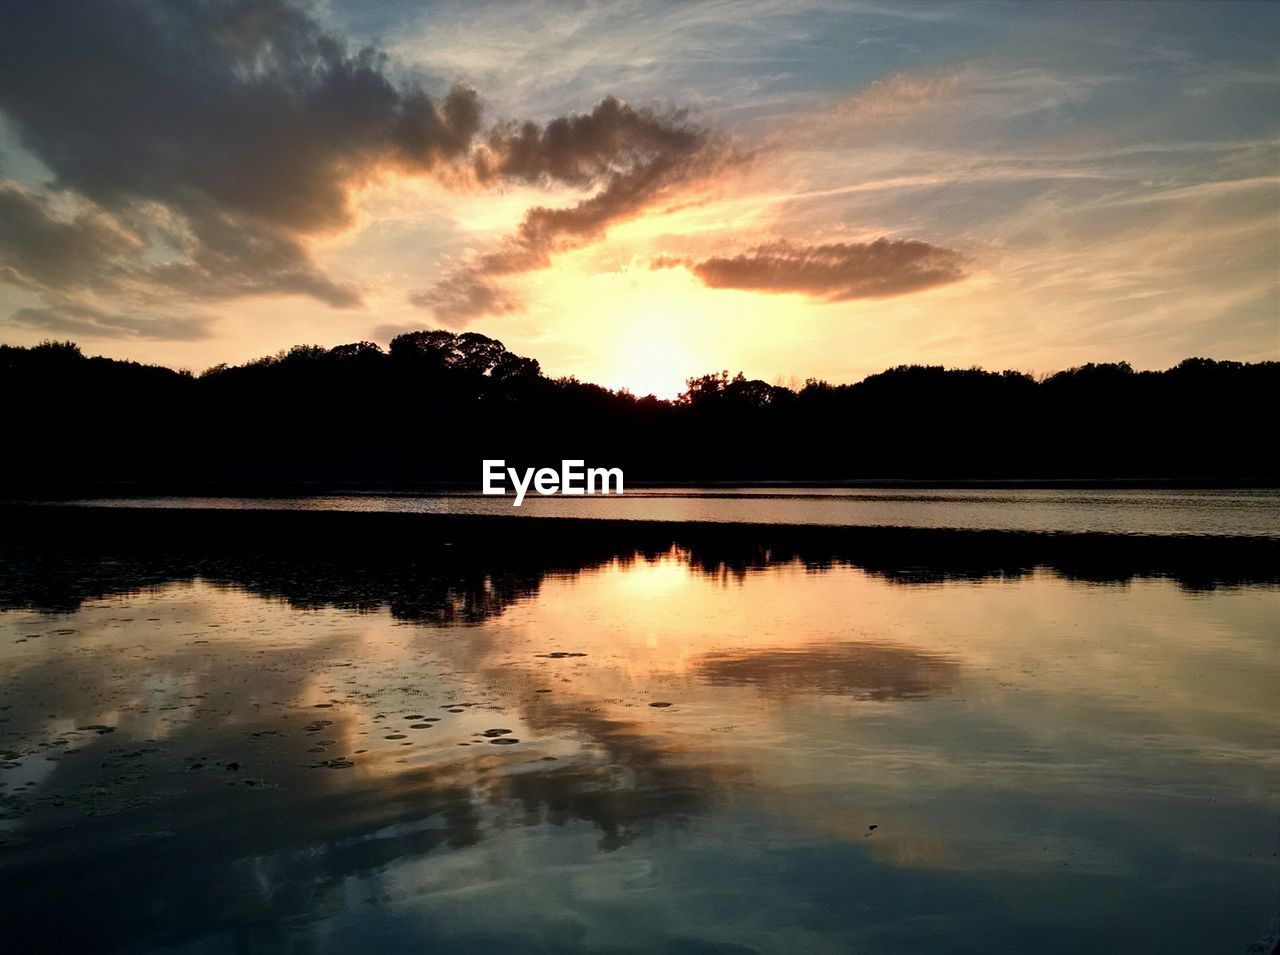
(1174, 512)
(659, 750)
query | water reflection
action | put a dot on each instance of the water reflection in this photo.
(464, 570)
(861, 671)
(761, 742)
(1242, 512)
(213, 768)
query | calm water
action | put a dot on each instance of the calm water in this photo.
(1219, 512)
(641, 753)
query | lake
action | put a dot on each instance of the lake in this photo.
(240, 732)
(1247, 512)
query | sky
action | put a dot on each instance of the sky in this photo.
(636, 193)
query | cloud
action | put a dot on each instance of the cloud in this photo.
(581, 149)
(896, 97)
(39, 249)
(227, 131)
(834, 272)
(466, 294)
(223, 258)
(634, 158)
(84, 322)
(243, 106)
(971, 104)
(46, 248)
(861, 671)
(212, 140)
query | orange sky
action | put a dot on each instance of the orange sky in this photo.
(1052, 190)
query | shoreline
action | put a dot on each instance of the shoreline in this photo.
(16, 491)
(362, 542)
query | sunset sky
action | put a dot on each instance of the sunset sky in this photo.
(634, 193)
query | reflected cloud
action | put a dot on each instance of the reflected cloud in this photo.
(221, 785)
(632, 779)
(863, 671)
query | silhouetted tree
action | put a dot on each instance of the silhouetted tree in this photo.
(435, 403)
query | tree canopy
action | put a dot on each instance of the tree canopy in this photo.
(435, 403)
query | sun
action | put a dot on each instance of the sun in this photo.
(650, 364)
(610, 318)
(637, 329)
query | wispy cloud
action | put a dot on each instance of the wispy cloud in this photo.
(83, 322)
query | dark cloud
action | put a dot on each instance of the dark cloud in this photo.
(244, 106)
(206, 141)
(243, 121)
(583, 148)
(634, 158)
(222, 257)
(83, 322)
(466, 294)
(39, 249)
(834, 272)
(56, 251)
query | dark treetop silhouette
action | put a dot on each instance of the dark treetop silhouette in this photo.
(433, 405)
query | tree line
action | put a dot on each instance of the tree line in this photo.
(435, 403)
